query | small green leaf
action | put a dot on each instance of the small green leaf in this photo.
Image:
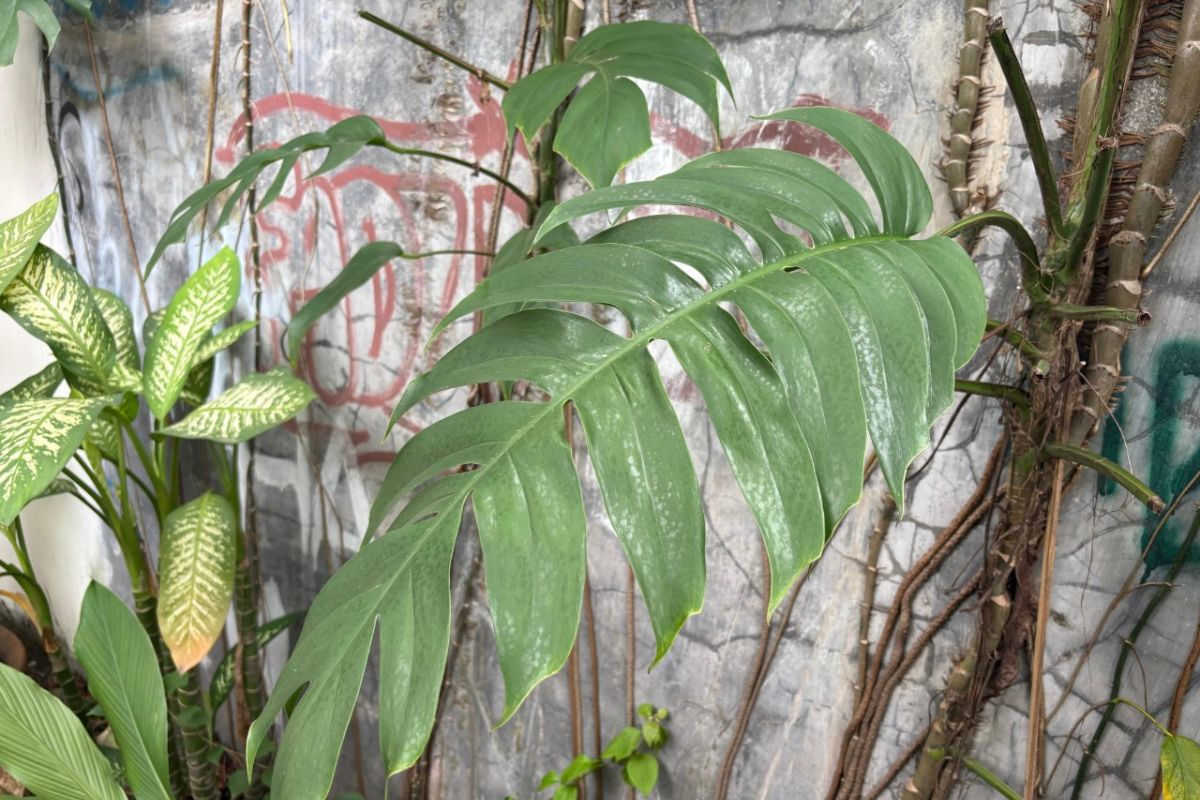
(580, 765)
(641, 772)
(200, 303)
(123, 676)
(654, 734)
(358, 270)
(46, 748)
(645, 711)
(566, 792)
(548, 780)
(257, 404)
(623, 745)
(196, 577)
(607, 124)
(1180, 759)
(37, 438)
(21, 234)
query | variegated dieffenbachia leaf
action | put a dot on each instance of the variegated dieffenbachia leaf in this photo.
(200, 303)
(21, 234)
(38, 437)
(195, 569)
(221, 340)
(36, 387)
(126, 375)
(256, 404)
(50, 300)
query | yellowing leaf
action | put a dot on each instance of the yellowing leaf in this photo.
(1180, 768)
(195, 572)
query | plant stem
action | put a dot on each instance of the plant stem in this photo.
(1127, 250)
(462, 162)
(40, 605)
(1030, 122)
(192, 720)
(1128, 316)
(1009, 394)
(430, 47)
(956, 166)
(1015, 338)
(982, 772)
(1130, 482)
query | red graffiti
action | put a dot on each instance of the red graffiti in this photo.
(365, 356)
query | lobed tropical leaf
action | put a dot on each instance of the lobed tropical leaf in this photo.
(123, 676)
(21, 234)
(50, 300)
(607, 124)
(38, 438)
(255, 405)
(177, 338)
(46, 748)
(195, 568)
(861, 329)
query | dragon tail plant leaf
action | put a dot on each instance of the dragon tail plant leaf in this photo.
(857, 329)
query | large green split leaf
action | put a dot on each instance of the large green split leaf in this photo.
(255, 405)
(861, 328)
(1180, 757)
(195, 571)
(607, 124)
(46, 748)
(123, 676)
(38, 438)
(21, 234)
(42, 15)
(185, 326)
(50, 300)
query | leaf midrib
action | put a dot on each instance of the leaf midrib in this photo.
(643, 339)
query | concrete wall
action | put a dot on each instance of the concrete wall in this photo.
(894, 61)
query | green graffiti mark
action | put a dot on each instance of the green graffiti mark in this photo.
(1175, 398)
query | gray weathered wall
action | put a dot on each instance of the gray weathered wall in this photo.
(893, 60)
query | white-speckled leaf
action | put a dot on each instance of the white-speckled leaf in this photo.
(221, 340)
(37, 437)
(36, 387)
(195, 572)
(50, 300)
(199, 304)
(257, 404)
(21, 234)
